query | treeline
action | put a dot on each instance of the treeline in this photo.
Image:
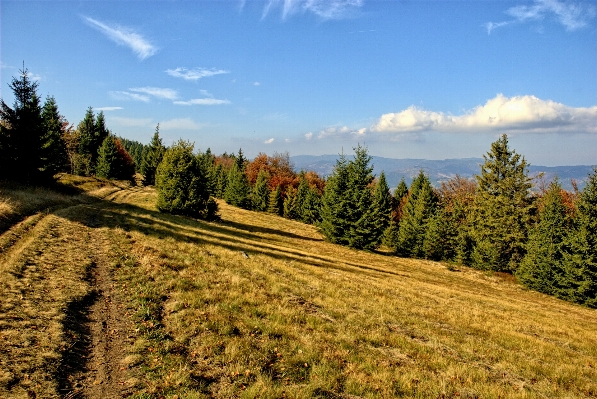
(36, 141)
(496, 222)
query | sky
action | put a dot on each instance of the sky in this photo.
(406, 78)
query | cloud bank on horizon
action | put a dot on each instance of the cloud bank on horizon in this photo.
(511, 115)
(519, 114)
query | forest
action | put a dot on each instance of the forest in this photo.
(501, 221)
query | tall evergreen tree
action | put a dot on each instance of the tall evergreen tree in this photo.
(502, 209)
(334, 204)
(542, 267)
(100, 132)
(290, 206)
(86, 129)
(382, 205)
(419, 207)
(21, 132)
(237, 188)
(311, 206)
(581, 262)
(152, 158)
(260, 192)
(53, 151)
(275, 204)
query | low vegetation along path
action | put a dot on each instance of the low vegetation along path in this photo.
(104, 297)
(63, 328)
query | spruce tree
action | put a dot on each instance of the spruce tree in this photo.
(302, 194)
(334, 204)
(260, 192)
(53, 151)
(86, 129)
(502, 210)
(107, 159)
(221, 181)
(275, 203)
(100, 132)
(21, 132)
(581, 262)
(114, 162)
(180, 182)
(419, 207)
(542, 267)
(311, 207)
(290, 206)
(382, 206)
(237, 188)
(152, 158)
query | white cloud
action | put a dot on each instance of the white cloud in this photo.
(269, 141)
(126, 96)
(202, 101)
(131, 122)
(335, 131)
(108, 109)
(309, 135)
(572, 15)
(324, 9)
(205, 93)
(125, 37)
(168, 94)
(180, 124)
(519, 114)
(195, 73)
(256, 84)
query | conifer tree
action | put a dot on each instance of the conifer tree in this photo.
(86, 130)
(260, 192)
(180, 182)
(419, 207)
(114, 162)
(100, 132)
(290, 205)
(21, 132)
(275, 204)
(334, 204)
(152, 158)
(502, 210)
(237, 188)
(53, 151)
(311, 207)
(542, 267)
(302, 193)
(221, 181)
(581, 262)
(382, 206)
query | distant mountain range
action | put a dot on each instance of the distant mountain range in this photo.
(437, 170)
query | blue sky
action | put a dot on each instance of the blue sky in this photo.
(409, 79)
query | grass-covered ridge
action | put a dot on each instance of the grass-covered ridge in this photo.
(298, 317)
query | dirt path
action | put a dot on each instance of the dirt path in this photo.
(63, 328)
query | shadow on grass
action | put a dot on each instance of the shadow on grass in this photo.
(233, 236)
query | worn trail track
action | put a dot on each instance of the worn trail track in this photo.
(63, 328)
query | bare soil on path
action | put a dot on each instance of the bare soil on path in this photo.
(64, 330)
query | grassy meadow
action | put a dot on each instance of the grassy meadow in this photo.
(257, 306)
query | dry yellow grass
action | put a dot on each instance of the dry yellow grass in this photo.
(260, 306)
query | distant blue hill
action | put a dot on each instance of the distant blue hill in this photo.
(437, 170)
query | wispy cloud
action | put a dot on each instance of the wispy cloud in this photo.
(202, 101)
(108, 108)
(168, 94)
(335, 131)
(205, 93)
(256, 84)
(180, 124)
(127, 96)
(309, 135)
(572, 15)
(519, 114)
(125, 37)
(324, 9)
(269, 141)
(195, 73)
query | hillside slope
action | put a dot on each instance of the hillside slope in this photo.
(107, 297)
